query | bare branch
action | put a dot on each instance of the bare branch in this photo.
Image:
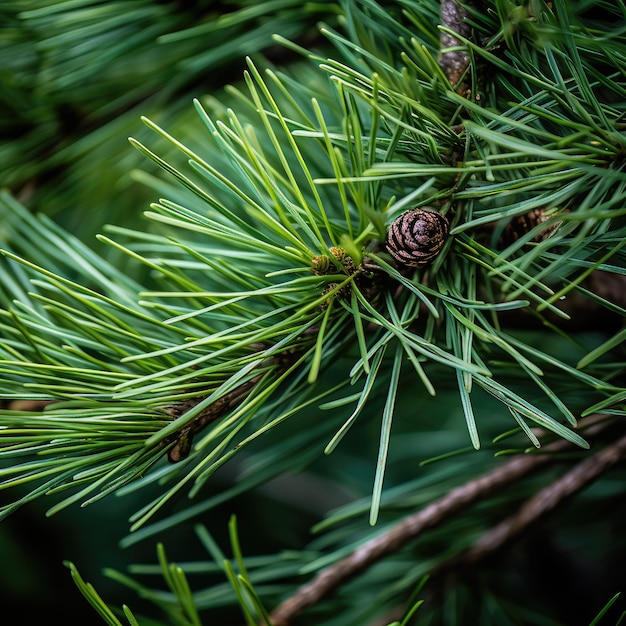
(453, 60)
(542, 503)
(376, 549)
(219, 408)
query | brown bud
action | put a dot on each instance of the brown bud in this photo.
(416, 237)
(323, 265)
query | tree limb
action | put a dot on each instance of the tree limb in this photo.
(457, 500)
(541, 504)
(453, 59)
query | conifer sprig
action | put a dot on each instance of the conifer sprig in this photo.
(263, 266)
(244, 304)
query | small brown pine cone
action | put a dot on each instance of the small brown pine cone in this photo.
(416, 237)
(522, 224)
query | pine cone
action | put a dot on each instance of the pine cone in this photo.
(416, 237)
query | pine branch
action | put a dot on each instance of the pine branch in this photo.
(453, 58)
(278, 218)
(183, 439)
(298, 173)
(459, 499)
(540, 505)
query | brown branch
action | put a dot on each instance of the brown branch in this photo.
(530, 513)
(184, 437)
(410, 527)
(540, 505)
(25, 405)
(454, 62)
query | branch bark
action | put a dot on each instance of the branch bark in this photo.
(184, 437)
(454, 502)
(539, 506)
(453, 59)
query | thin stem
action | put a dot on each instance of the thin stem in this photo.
(453, 59)
(413, 525)
(542, 503)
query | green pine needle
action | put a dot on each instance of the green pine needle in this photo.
(233, 292)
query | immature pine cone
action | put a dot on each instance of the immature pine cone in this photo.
(416, 237)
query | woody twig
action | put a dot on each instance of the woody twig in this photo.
(184, 437)
(540, 505)
(459, 499)
(453, 58)
(278, 362)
